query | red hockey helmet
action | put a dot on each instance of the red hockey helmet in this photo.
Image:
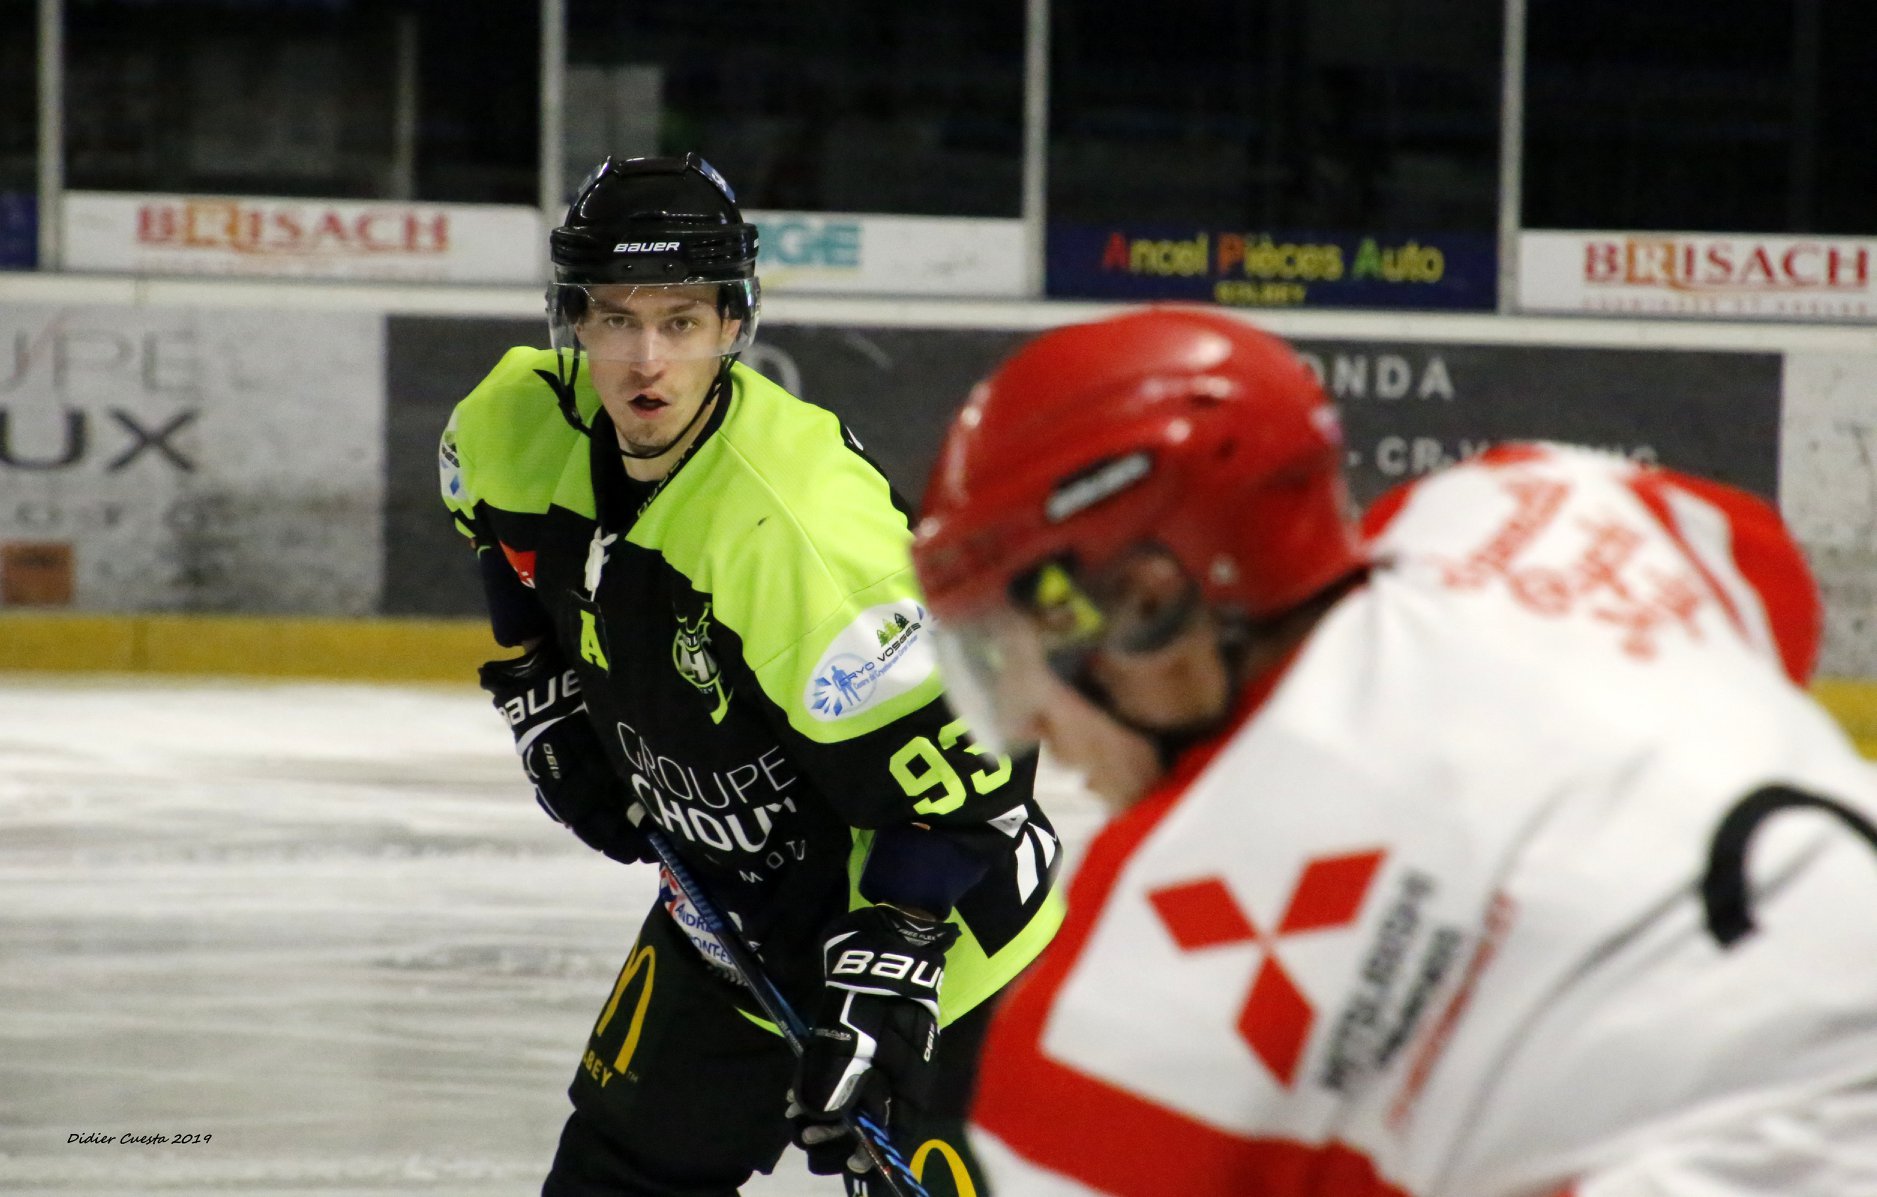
(1182, 429)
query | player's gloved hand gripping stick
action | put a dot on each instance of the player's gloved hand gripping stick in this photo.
(539, 696)
(893, 1171)
(874, 1032)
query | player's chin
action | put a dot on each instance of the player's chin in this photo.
(1123, 777)
(1117, 764)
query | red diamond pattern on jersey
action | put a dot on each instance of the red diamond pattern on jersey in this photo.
(1276, 1018)
(1202, 914)
(1330, 892)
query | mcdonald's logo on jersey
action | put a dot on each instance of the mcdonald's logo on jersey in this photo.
(645, 960)
(955, 1167)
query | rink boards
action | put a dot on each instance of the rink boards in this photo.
(267, 452)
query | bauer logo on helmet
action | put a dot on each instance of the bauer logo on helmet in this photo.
(1091, 486)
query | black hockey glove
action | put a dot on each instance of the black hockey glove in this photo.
(573, 781)
(875, 1029)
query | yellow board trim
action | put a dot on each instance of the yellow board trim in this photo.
(388, 650)
(1853, 703)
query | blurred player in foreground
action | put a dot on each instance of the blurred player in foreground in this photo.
(714, 589)
(1500, 853)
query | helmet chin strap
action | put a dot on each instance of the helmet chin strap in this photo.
(717, 386)
(561, 382)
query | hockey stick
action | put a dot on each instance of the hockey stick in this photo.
(887, 1161)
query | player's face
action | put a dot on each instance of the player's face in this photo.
(1180, 687)
(1154, 668)
(1116, 762)
(662, 350)
(1000, 679)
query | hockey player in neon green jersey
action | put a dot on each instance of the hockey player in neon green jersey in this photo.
(722, 635)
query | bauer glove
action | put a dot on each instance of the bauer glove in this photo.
(875, 1029)
(573, 781)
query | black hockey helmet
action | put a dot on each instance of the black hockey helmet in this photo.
(644, 243)
(652, 222)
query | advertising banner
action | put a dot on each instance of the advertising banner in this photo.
(324, 239)
(169, 459)
(1453, 271)
(1408, 408)
(820, 252)
(1698, 274)
(19, 230)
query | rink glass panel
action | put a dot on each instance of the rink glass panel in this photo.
(1371, 114)
(411, 100)
(1730, 116)
(835, 106)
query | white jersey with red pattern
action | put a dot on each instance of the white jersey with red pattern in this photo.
(1442, 913)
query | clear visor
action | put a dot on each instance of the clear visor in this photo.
(1004, 668)
(634, 322)
(997, 678)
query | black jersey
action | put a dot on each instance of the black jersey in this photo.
(751, 644)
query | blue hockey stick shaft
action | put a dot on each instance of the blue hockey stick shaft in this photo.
(891, 1165)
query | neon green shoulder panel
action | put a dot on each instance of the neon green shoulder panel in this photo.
(796, 539)
(508, 446)
(971, 975)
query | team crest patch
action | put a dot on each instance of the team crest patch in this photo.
(886, 651)
(450, 464)
(696, 663)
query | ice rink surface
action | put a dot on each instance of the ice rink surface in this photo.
(324, 924)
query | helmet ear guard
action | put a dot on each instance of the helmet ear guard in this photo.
(566, 303)
(740, 303)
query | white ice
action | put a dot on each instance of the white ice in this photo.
(324, 924)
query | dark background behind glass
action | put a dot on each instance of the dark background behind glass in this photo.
(19, 135)
(19, 95)
(1299, 114)
(1380, 115)
(837, 105)
(299, 98)
(1740, 116)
